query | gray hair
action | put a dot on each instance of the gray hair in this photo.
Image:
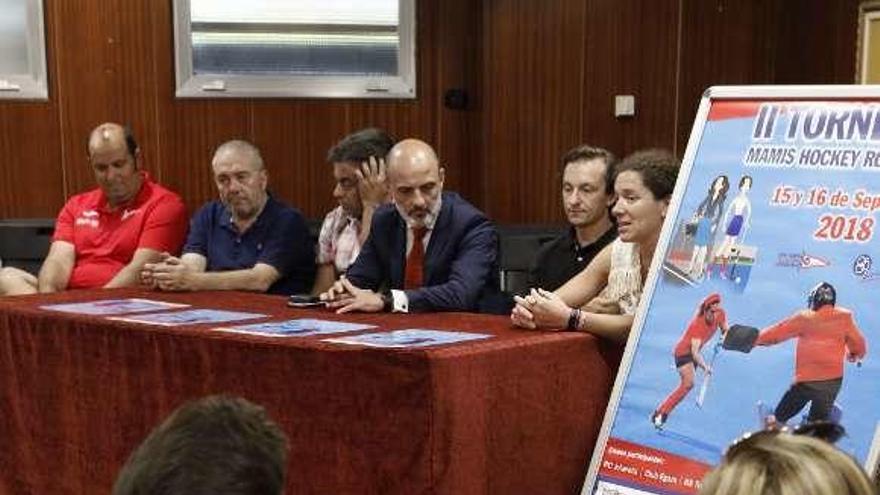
(241, 147)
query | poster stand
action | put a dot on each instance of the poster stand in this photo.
(789, 251)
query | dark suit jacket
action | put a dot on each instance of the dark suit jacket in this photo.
(460, 265)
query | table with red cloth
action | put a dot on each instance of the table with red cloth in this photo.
(517, 413)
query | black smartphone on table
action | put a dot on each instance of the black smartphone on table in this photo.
(304, 301)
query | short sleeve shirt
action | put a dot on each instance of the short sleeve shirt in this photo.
(699, 329)
(562, 258)
(338, 242)
(105, 239)
(279, 238)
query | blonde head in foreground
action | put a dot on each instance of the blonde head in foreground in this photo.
(770, 463)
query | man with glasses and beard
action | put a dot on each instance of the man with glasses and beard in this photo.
(427, 251)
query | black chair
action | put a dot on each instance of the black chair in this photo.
(518, 246)
(24, 242)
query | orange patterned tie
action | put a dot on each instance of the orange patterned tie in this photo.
(415, 260)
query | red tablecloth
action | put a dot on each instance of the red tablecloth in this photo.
(514, 414)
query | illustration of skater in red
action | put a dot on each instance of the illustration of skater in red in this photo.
(708, 318)
(826, 335)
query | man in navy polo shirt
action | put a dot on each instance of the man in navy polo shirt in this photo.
(245, 241)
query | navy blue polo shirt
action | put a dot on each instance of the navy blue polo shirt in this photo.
(279, 237)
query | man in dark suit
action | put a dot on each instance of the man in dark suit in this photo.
(427, 251)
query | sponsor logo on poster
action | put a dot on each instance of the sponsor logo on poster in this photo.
(863, 268)
(801, 261)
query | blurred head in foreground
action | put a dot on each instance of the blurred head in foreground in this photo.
(212, 446)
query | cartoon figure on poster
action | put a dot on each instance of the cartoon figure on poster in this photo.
(705, 223)
(709, 317)
(826, 335)
(737, 219)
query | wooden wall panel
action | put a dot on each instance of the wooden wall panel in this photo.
(817, 42)
(104, 74)
(551, 72)
(295, 138)
(457, 65)
(532, 103)
(31, 178)
(724, 42)
(630, 49)
(83, 90)
(541, 77)
(763, 42)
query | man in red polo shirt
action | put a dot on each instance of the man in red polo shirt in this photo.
(105, 236)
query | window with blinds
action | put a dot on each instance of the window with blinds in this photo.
(22, 50)
(302, 48)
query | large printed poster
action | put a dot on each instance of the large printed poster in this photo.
(774, 244)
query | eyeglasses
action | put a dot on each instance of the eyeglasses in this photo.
(822, 430)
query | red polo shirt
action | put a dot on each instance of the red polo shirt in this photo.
(105, 240)
(699, 329)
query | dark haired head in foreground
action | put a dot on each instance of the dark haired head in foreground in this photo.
(213, 446)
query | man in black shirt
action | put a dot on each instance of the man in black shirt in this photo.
(587, 196)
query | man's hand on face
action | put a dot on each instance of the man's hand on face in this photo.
(372, 184)
(172, 274)
(344, 297)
